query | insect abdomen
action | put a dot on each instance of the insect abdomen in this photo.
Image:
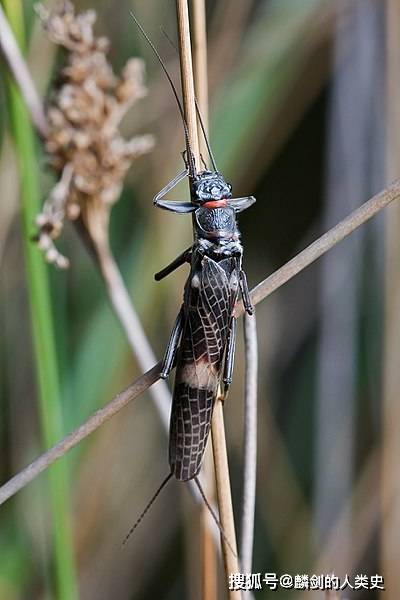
(190, 425)
(209, 300)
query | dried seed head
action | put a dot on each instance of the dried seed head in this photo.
(84, 144)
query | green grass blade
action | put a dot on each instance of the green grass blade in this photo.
(42, 327)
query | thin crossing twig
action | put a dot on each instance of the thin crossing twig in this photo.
(217, 427)
(250, 443)
(259, 293)
(17, 66)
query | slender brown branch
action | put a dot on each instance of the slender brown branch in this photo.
(218, 428)
(200, 64)
(260, 292)
(16, 63)
(209, 550)
(250, 444)
(224, 494)
(185, 57)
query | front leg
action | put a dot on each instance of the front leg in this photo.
(177, 207)
(171, 184)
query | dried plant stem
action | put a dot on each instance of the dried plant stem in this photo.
(218, 428)
(209, 589)
(250, 444)
(223, 493)
(209, 554)
(185, 57)
(200, 63)
(16, 63)
(125, 312)
(259, 293)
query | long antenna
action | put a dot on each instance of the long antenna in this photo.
(146, 509)
(214, 516)
(203, 129)
(191, 162)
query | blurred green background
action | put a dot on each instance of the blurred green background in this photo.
(299, 106)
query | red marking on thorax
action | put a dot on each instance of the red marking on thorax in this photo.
(216, 203)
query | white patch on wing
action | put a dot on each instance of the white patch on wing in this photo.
(200, 374)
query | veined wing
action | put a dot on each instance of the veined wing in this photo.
(209, 305)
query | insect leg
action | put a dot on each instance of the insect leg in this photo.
(170, 185)
(172, 348)
(179, 260)
(176, 207)
(248, 306)
(229, 357)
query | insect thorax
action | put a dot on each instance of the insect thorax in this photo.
(216, 223)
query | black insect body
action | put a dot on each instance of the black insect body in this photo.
(202, 342)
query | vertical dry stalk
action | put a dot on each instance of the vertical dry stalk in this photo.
(185, 57)
(208, 548)
(199, 43)
(218, 428)
(391, 409)
(231, 562)
(200, 63)
(250, 444)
